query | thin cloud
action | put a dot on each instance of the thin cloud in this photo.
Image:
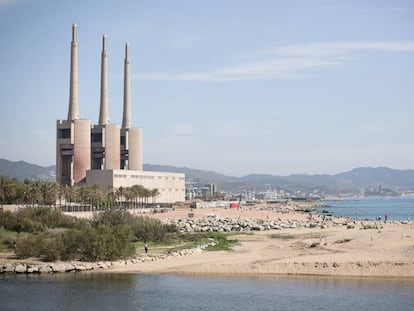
(287, 62)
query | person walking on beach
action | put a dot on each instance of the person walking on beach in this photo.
(146, 248)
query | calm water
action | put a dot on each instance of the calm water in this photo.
(168, 292)
(398, 208)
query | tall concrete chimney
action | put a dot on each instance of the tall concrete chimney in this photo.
(73, 113)
(126, 119)
(103, 112)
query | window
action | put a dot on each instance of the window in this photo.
(97, 137)
(64, 133)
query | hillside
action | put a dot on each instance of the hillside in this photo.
(22, 170)
(358, 178)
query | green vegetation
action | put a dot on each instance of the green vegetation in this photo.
(223, 243)
(37, 193)
(50, 235)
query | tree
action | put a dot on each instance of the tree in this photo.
(8, 189)
(154, 194)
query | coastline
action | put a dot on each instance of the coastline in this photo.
(363, 249)
(260, 254)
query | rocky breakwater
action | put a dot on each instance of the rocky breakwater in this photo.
(20, 268)
(217, 224)
(53, 267)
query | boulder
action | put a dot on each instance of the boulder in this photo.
(20, 268)
(32, 268)
(79, 267)
(58, 268)
(8, 268)
(45, 269)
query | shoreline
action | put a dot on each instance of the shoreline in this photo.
(365, 249)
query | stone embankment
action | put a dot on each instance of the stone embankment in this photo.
(217, 224)
(20, 268)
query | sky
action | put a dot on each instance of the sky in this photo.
(232, 86)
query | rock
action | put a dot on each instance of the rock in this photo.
(8, 268)
(314, 244)
(45, 269)
(335, 265)
(20, 268)
(58, 268)
(80, 267)
(32, 268)
(119, 263)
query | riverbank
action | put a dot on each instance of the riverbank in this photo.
(385, 251)
(300, 245)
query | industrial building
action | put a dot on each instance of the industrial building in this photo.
(106, 154)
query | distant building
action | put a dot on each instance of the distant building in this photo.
(106, 154)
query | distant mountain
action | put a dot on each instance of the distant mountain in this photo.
(22, 170)
(358, 178)
(198, 175)
(379, 176)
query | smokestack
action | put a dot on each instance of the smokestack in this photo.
(103, 112)
(126, 119)
(73, 89)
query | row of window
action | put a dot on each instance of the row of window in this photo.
(120, 175)
(142, 176)
(147, 177)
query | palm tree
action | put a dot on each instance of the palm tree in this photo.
(120, 195)
(147, 194)
(96, 195)
(8, 189)
(49, 193)
(138, 192)
(154, 194)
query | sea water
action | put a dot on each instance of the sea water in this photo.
(101, 291)
(396, 208)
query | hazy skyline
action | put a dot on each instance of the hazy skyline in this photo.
(237, 87)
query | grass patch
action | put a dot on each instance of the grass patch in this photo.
(179, 241)
(223, 243)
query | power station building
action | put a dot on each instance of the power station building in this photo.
(106, 154)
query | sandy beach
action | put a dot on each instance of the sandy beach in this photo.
(341, 248)
(387, 251)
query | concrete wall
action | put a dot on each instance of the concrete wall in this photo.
(81, 149)
(135, 157)
(112, 147)
(170, 185)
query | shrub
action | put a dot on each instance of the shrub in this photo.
(29, 246)
(52, 248)
(113, 218)
(149, 229)
(106, 243)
